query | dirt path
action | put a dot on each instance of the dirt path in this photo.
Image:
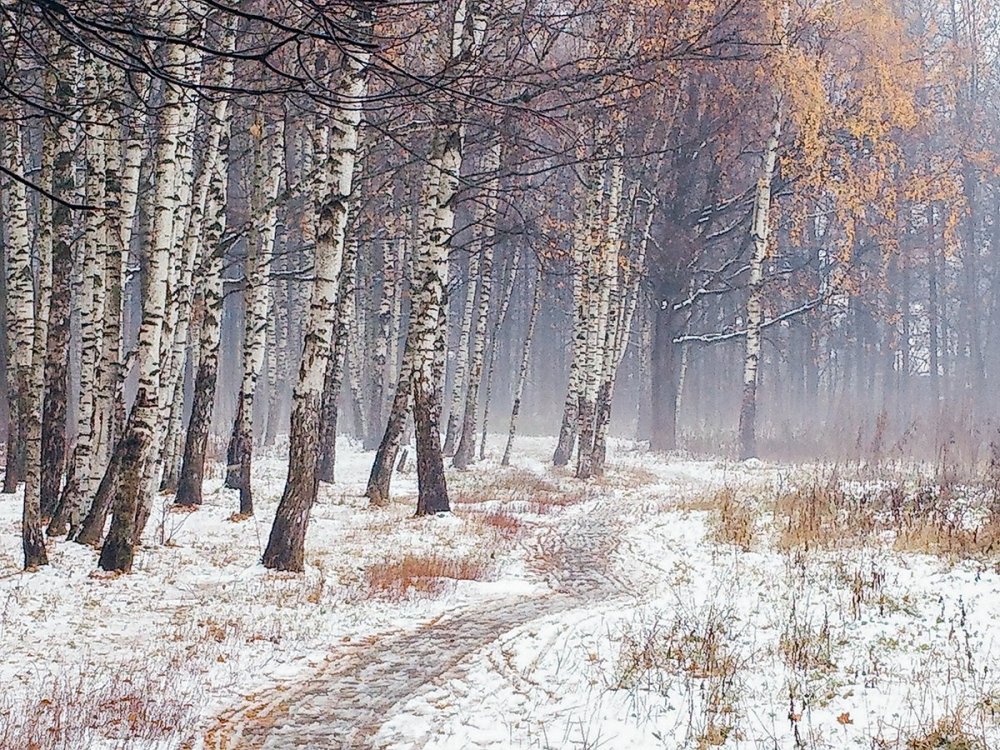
(345, 702)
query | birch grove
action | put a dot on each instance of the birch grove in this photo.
(240, 233)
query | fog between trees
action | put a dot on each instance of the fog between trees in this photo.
(762, 228)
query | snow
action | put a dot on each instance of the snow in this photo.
(743, 649)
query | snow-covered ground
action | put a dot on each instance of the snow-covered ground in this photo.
(608, 615)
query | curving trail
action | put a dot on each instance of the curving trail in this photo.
(345, 702)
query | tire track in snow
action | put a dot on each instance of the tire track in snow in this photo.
(344, 703)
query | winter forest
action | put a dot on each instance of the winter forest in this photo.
(539, 374)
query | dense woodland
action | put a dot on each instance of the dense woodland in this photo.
(748, 227)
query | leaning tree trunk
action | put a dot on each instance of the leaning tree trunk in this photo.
(755, 301)
(466, 450)
(522, 372)
(286, 543)
(377, 490)
(126, 471)
(334, 377)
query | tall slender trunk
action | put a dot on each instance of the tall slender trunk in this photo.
(286, 543)
(623, 302)
(460, 386)
(501, 318)
(126, 471)
(32, 537)
(466, 450)
(192, 472)
(256, 309)
(91, 306)
(755, 302)
(430, 277)
(597, 293)
(20, 321)
(54, 411)
(522, 372)
(388, 309)
(377, 490)
(568, 427)
(334, 377)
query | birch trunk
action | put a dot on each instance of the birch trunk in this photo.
(286, 544)
(56, 362)
(466, 450)
(258, 297)
(91, 305)
(568, 427)
(32, 538)
(20, 321)
(123, 169)
(622, 313)
(522, 372)
(460, 387)
(125, 473)
(334, 378)
(199, 251)
(430, 277)
(755, 301)
(597, 298)
(495, 345)
(192, 472)
(377, 490)
(392, 261)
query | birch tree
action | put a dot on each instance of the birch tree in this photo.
(20, 310)
(286, 543)
(124, 476)
(465, 452)
(267, 175)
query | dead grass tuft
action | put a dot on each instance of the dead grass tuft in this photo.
(948, 733)
(503, 522)
(953, 523)
(734, 522)
(529, 491)
(428, 574)
(821, 515)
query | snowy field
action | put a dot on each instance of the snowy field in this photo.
(671, 604)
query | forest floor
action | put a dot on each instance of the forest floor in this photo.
(671, 604)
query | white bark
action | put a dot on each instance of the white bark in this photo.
(286, 543)
(20, 304)
(135, 444)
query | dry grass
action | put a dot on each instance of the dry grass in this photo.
(821, 515)
(117, 709)
(949, 733)
(697, 650)
(529, 491)
(428, 574)
(504, 523)
(734, 522)
(824, 515)
(805, 647)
